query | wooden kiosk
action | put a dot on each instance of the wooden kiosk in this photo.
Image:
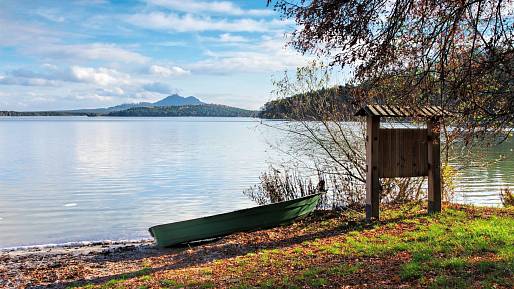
(402, 152)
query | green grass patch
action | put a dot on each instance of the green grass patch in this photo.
(449, 282)
(410, 271)
(453, 263)
(208, 271)
(344, 269)
(207, 285)
(112, 283)
(317, 282)
(310, 273)
(298, 250)
(199, 284)
(172, 284)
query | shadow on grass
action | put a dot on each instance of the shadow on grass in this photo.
(204, 252)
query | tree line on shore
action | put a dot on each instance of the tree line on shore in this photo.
(203, 110)
(282, 108)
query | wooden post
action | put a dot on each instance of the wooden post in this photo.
(434, 166)
(372, 180)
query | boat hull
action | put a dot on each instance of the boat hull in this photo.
(238, 221)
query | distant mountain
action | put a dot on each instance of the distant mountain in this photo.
(175, 100)
(172, 100)
(173, 105)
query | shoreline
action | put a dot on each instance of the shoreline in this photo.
(328, 249)
(75, 245)
(58, 265)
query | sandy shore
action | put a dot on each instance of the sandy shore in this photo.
(62, 267)
(56, 267)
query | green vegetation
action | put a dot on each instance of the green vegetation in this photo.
(211, 110)
(306, 105)
(507, 197)
(173, 105)
(462, 247)
(185, 110)
(43, 113)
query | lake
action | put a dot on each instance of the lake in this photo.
(65, 179)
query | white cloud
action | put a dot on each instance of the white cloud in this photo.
(100, 76)
(50, 14)
(95, 97)
(25, 36)
(52, 76)
(95, 51)
(14, 33)
(167, 71)
(158, 87)
(26, 81)
(170, 43)
(49, 66)
(111, 91)
(25, 73)
(24, 77)
(268, 56)
(190, 23)
(116, 61)
(225, 38)
(222, 7)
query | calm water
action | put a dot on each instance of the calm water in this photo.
(68, 179)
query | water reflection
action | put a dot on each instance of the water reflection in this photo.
(480, 182)
(74, 179)
(71, 179)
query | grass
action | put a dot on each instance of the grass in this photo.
(463, 247)
(170, 284)
(112, 283)
(411, 270)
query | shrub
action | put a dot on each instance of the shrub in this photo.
(277, 186)
(342, 192)
(401, 190)
(507, 197)
(448, 174)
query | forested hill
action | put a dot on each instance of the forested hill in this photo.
(307, 105)
(45, 113)
(173, 105)
(300, 106)
(203, 110)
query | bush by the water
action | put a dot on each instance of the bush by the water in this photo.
(277, 186)
(341, 192)
(507, 197)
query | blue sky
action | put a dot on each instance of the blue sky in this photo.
(80, 54)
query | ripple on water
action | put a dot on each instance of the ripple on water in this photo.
(129, 174)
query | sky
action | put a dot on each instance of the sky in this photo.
(100, 53)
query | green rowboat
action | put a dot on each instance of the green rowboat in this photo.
(250, 219)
